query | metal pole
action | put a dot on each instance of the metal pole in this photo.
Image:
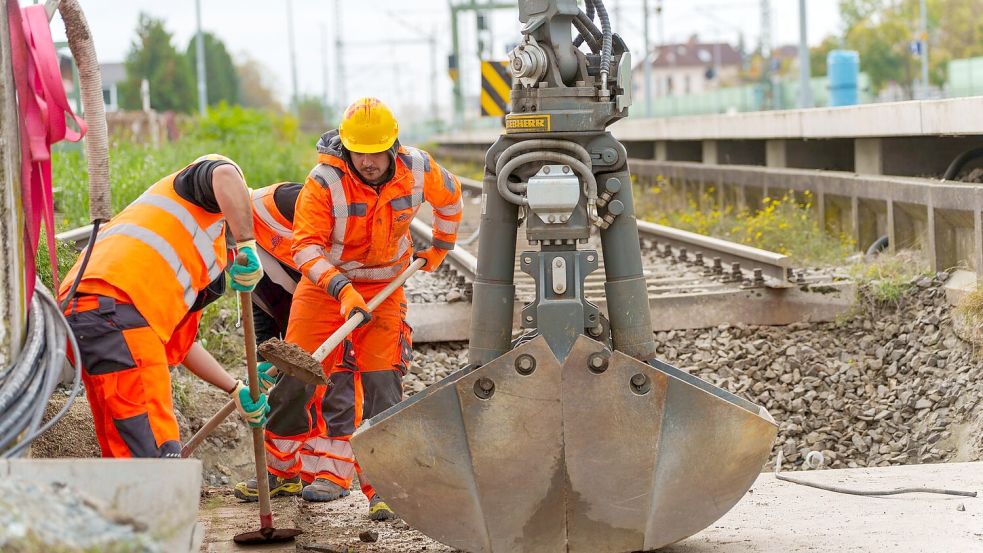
(647, 67)
(434, 108)
(805, 86)
(324, 65)
(12, 285)
(293, 54)
(923, 32)
(200, 53)
(458, 93)
(339, 58)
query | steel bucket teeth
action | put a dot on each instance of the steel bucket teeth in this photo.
(601, 453)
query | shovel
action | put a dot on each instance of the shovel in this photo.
(266, 533)
(293, 360)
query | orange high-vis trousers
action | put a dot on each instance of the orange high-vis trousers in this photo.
(309, 426)
(127, 382)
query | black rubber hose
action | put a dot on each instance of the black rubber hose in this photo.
(878, 245)
(961, 160)
(583, 22)
(85, 262)
(606, 35)
(584, 26)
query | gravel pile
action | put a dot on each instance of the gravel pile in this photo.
(441, 286)
(888, 385)
(432, 362)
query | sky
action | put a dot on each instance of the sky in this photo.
(386, 43)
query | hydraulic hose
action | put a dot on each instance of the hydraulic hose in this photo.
(587, 32)
(961, 160)
(538, 144)
(590, 182)
(606, 44)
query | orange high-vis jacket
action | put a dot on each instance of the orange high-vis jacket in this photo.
(345, 231)
(158, 253)
(273, 232)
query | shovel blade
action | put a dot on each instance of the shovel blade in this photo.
(292, 360)
(600, 453)
(267, 535)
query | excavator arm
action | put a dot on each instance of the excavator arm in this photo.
(572, 437)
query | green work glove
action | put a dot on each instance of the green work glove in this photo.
(254, 412)
(266, 380)
(246, 277)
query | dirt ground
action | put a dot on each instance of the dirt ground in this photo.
(328, 527)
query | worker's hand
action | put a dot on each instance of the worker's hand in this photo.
(266, 380)
(433, 256)
(352, 302)
(246, 277)
(254, 412)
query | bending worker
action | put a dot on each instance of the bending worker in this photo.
(351, 238)
(152, 270)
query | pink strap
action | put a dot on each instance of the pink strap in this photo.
(43, 108)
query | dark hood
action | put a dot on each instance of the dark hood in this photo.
(330, 144)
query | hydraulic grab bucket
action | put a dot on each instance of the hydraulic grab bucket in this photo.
(601, 453)
(573, 438)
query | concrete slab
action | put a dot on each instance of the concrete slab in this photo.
(781, 517)
(960, 283)
(161, 493)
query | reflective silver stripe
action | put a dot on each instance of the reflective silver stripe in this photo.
(318, 269)
(314, 465)
(202, 240)
(286, 446)
(419, 168)
(277, 464)
(406, 202)
(307, 254)
(264, 214)
(339, 207)
(452, 209)
(274, 270)
(404, 244)
(442, 244)
(443, 225)
(216, 229)
(376, 273)
(163, 249)
(338, 448)
(449, 182)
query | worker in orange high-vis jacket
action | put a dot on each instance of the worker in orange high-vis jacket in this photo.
(351, 238)
(152, 269)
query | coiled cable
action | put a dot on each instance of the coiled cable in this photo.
(28, 384)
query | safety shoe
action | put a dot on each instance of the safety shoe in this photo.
(322, 489)
(379, 510)
(249, 490)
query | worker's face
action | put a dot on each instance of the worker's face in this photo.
(371, 166)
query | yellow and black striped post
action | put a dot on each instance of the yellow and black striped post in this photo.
(496, 84)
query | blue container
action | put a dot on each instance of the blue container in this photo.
(843, 73)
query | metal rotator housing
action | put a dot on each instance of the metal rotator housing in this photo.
(572, 437)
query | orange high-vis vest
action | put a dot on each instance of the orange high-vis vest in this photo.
(346, 231)
(159, 253)
(273, 232)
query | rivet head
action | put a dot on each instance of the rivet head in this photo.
(528, 318)
(590, 258)
(525, 364)
(484, 388)
(597, 362)
(546, 170)
(640, 384)
(565, 169)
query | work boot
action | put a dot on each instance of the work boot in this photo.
(379, 510)
(249, 490)
(322, 489)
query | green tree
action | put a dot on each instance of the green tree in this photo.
(221, 78)
(255, 87)
(817, 55)
(152, 56)
(313, 115)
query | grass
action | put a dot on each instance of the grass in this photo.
(887, 277)
(268, 147)
(474, 171)
(785, 225)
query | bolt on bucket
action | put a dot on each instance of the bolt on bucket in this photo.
(603, 453)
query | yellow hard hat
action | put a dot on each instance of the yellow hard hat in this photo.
(220, 157)
(368, 127)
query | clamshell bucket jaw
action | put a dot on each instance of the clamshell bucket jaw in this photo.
(602, 453)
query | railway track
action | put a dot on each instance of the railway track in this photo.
(694, 281)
